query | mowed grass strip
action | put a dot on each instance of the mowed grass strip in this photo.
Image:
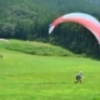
(31, 77)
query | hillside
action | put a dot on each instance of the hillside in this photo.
(30, 19)
(35, 48)
(14, 10)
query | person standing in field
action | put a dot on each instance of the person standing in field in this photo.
(79, 77)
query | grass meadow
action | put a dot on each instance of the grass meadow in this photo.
(34, 77)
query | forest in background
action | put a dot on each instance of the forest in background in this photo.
(30, 20)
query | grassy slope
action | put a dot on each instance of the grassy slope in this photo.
(36, 48)
(27, 77)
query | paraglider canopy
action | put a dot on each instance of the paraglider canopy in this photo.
(86, 20)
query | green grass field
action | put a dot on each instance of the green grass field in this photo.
(31, 77)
